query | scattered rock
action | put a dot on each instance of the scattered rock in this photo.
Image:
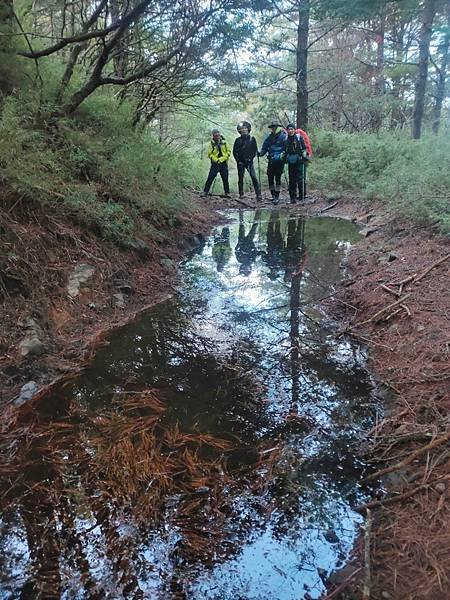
(331, 536)
(140, 247)
(32, 343)
(26, 393)
(92, 305)
(119, 299)
(366, 231)
(166, 262)
(82, 273)
(388, 257)
(385, 595)
(440, 487)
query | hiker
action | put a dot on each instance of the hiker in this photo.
(218, 153)
(295, 157)
(221, 251)
(309, 154)
(244, 152)
(273, 146)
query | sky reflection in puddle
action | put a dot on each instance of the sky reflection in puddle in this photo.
(250, 304)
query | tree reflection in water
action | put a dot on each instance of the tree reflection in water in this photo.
(214, 420)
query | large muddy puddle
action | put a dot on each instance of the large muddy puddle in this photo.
(210, 449)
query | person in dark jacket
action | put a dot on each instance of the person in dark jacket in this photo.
(244, 152)
(273, 146)
(295, 156)
(218, 153)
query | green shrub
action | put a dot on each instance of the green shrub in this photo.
(413, 175)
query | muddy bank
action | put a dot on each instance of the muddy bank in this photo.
(397, 302)
(62, 288)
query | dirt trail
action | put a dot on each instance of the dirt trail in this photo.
(405, 325)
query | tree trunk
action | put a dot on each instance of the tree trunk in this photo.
(120, 58)
(302, 63)
(442, 76)
(7, 50)
(398, 35)
(429, 10)
(380, 84)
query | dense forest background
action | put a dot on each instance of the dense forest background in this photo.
(106, 106)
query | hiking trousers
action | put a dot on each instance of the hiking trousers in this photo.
(274, 172)
(296, 174)
(241, 168)
(216, 168)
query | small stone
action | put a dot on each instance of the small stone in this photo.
(140, 247)
(166, 262)
(331, 536)
(31, 345)
(81, 274)
(26, 393)
(366, 231)
(385, 595)
(392, 256)
(119, 300)
(92, 305)
(440, 487)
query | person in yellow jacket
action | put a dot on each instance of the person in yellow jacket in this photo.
(218, 152)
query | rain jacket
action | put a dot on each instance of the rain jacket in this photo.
(273, 145)
(294, 147)
(219, 152)
(245, 148)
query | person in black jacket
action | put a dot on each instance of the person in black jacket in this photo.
(244, 151)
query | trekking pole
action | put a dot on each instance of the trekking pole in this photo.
(259, 176)
(304, 180)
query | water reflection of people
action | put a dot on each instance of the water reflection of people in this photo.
(274, 254)
(294, 264)
(245, 250)
(221, 251)
(294, 246)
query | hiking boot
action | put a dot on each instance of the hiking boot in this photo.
(293, 200)
(241, 195)
(203, 194)
(275, 201)
(227, 196)
(259, 198)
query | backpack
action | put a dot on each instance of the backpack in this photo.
(307, 141)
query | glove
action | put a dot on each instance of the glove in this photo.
(304, 154)
(221, 160)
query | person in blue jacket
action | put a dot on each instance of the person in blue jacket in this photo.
(273, 146)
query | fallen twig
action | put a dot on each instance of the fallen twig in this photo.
(378, 314)
(340, 588)
(435, 264)
(409, 459)
(367, 577)
(329, 207)
(393, 499)
(391, 291)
